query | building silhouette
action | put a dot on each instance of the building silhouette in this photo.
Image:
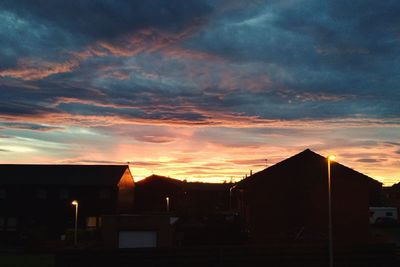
(288, 202)
(35, 200)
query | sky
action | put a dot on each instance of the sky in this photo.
(200, 90)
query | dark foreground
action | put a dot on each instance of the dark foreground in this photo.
(280, 256)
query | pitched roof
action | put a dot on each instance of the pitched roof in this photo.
(189, 186)
(154, 178)
(31, 174)
(305, 162)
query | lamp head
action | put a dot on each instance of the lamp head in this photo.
(331, 157)
(75, 203)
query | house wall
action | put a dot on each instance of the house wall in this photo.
(46, 216)
(125, 198)
(288, 206)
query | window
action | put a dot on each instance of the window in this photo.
(11, 224)
(371, 213)
(389, 214)
(2, 193)
(2, 220)
(91, 222)
(63, 194)
(41, 194)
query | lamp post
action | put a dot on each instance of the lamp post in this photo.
(76, 204)
(330, 235)
(167, 199)
(230, 197)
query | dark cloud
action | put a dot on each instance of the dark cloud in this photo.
(318, 49)
(255, 162)
(278, 60)
(30, 126)
(89, 161)
(369, 160)
(49, 29)
(107, 19)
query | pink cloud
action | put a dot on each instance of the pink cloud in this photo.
(36, 69)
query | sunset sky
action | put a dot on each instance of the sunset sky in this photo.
(205, 90)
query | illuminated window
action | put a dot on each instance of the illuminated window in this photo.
(41, 194)
(63, 194)
(2, 193)
(91, 222)
(11, 224)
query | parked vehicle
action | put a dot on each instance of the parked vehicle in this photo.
(383, 216)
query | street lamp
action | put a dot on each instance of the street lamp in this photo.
(330, 158)
(167, 199)
(230, 196)
(76, 204)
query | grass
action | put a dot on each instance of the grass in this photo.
(26, 260)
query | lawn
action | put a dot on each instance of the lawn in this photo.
(26, 260)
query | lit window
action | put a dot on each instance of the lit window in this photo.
(11, 224)
(41, 194)
(2, 193)
(91, 222)
(63, 194)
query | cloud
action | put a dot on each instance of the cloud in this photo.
(30, 126)
(192, 87)
(369, 160)
(258, 162)
(35, 69)
(108, 19)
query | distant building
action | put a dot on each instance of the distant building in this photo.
(203, 209)
(35, 200)
(391, 196)
(189, 198)
(288, 202)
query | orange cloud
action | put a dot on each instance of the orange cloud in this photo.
(36, 69)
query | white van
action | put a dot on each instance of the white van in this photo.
(383, 215)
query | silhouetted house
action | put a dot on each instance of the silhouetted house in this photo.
(391, 196)
(202, 209)
(35, 200)
(375, 193)
(189, 198)
(288, 202)
(151, 194)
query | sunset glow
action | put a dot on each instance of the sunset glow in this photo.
(200, 90)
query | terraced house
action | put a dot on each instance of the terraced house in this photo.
(35, 200)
